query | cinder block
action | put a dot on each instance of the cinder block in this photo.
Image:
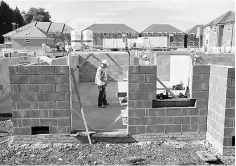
(59, 113)
(39, 114)
(134, 87)
(36, 97)
(26, 122)
(45, 70)
(62, 88)
(202, 103)
(148, 69)
(147, 87)
(150, 95)
(134, 69)
(61, 130)
(151, 78)
(13, 70)
(62, 79)
(198, 119)
(48, 122)
(203, 111)
(18, 79)
(135, 113)
(182, 120)
(136, 129)
(15, 88)
(36, 79)
(46, 88)
(57, 96)
(34, 122)
(22, 131)
(135, 121)
(174, 111)
(229, 122)
(47, 105)
(230, 93)
(229, 112)
(136, 78)
(231, 72)
(27, 70)
(169, 120)
(21, 114)
(136, 95)
(51, 79)
(159, 120)
(26, 88)
(190, 111)
(64, 122)
(200, 86)
(53, 130)
(140, 104)
(18, 97)
(201, 69)
(63, 104)
(61, 69)
(67, 96)
(14, 121)
(28, 105)
(203, 78)
(202, 127)
(200, 94)
(155, 129)
(228, 131)
(157, 112)
(172, 128)
(189, 128)
(68, 130)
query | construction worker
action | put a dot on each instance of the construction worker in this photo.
(101, 80)
(146, 60)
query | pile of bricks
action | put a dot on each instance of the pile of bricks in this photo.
(40, 97)
(221, 109)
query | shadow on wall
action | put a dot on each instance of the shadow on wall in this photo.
(88, 71)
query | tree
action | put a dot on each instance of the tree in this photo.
(6, 19)
(37, 14)
(18, 19)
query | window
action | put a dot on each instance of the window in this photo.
(197, 43)
(151, 34)
(191, 34)
(164, 33)
(159, 34)
(228, 28)
(26, 41)
(215, 29)
(174, 33)
(180, 33)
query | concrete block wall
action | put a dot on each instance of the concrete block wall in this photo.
(40, 97)
(221, 109)
(145, 119)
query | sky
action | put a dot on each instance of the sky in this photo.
(78, 14)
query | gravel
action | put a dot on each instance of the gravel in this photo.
(169, 152)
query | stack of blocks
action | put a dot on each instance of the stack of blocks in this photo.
(221, 109)
(143, 118)
(40, 97)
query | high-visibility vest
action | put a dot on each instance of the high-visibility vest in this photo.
(100, 74)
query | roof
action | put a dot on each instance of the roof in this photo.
(122, 28)
(47, 27)
(223, 19)
(193, 29)
(161, 28)
(31, 32)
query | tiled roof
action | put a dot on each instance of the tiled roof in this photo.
(31, 32)
(161, 28)
(47, 27)
(193, 29)
(223, 19)
(105, 28)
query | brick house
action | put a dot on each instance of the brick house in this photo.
(219, 35)
(192, 38)
(166, 30)
(59, 32)
(110, 31)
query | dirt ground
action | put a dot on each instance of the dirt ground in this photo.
(169, 152)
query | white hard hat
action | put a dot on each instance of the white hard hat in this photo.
(105, 62)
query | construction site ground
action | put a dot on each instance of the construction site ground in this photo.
(166, 152)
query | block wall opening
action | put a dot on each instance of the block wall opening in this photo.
(39, 130)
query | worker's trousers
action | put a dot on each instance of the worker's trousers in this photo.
(102, 96)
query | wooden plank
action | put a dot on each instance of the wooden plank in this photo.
(82, 110)
(166, 88)
(85, 60)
